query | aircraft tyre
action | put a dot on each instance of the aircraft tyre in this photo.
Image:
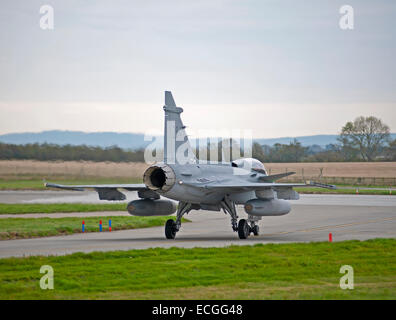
(170, 229)
(256, 230)
(243, 229)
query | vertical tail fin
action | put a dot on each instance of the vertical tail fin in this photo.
(177, 148)
(169, 101)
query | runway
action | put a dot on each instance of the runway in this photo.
(311, 219)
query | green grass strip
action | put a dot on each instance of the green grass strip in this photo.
(21, 208)
(273, 271)
(305, 190)
(17, 228)
(38, 184)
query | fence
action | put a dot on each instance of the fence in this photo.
(356, 181)
(364, 174)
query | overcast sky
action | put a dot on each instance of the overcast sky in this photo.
(278, 68)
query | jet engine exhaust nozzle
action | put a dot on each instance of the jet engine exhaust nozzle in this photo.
(159, 177)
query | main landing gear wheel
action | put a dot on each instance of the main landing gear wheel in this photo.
(171, 226)
(170, 229)
(243, 229)
(256, 230)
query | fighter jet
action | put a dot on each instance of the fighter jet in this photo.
(183, 178)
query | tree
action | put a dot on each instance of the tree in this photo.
(347, 150)
(295, 151)
(258, 152)
(50, 152)
(367, 135)
(292, 152)
(390, 152)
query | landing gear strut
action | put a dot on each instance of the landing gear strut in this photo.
(244, 227)
(255, 230)
(229, 207)
(171, 226)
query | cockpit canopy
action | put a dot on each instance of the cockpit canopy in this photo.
(249, 164)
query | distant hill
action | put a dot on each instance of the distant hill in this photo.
(320, 139)
(101, 139)
(135, 140)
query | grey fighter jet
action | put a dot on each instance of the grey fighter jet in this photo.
(196, 185)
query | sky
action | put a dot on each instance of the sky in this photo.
(278, 68)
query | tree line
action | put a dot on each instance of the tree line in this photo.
(364, 139)
(52, 152)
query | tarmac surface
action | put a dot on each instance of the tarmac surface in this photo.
(312, 218)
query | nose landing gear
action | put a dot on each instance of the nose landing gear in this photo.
(255, 229)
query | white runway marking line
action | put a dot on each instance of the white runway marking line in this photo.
(337, 226)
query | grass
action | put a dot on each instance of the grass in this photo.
(18, 228)
(307, 190)
(38, 184)
(21, 208)
(272, 271)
